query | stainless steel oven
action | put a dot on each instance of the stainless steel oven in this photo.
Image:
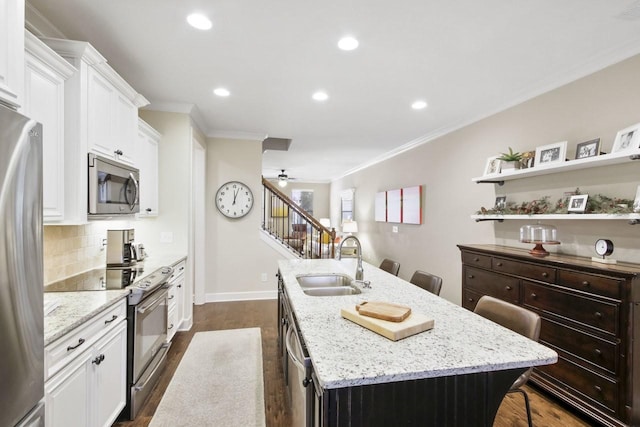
(113, 187)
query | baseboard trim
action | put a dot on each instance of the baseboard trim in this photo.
(241, 296)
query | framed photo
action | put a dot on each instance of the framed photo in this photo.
(528, 158)
(493, 166)
(588, 149)
(578, 203)
(501, 202)
(627, 139)
(551, 154)
(636, 202)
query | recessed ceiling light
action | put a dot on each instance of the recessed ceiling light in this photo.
(221, 91)
(320, 96)
(419, 105)
(199, 21)
(348, 43)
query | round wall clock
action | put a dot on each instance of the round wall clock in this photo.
(234, 199)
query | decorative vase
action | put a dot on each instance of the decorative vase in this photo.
(509, 166)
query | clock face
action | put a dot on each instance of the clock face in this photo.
(604, 247)
(234, 199)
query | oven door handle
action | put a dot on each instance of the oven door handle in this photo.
(152, 304)
(139, 387)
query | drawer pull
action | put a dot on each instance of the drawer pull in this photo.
(534, 295)
(172, 297)
(508, 288)
(476, 259)
(597, 388)
(179, 286)
(170, 327)
(598, 352)
(545, 274)
(471, 300)
(585, 283)
(499, 264)
(98, 360)
(598, 315)
(114, 317)
(73, 347)
(470, 276)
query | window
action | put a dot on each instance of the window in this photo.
(304, 199)
(346, 205)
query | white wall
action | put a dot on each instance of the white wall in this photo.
(237, 255)
(596, 106)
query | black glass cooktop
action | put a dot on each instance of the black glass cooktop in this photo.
(100, 279)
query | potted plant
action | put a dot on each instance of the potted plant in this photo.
(510, 160)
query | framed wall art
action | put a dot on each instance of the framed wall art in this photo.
(627, 139)
(551, 154)
(493, 166)
(411, 205)
(578, 203)
(380, 214)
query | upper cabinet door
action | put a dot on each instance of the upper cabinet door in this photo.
(125, 129)
(11, 51)
(100, 104)
(148, 140)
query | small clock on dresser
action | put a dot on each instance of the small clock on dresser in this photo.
(604, 248)
(234, 199)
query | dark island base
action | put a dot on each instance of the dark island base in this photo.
(462, 400)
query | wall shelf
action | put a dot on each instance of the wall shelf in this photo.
(633, 218)
(571, 165)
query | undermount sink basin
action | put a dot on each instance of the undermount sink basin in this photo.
(324, 285)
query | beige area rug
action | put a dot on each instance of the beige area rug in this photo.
(218, 382)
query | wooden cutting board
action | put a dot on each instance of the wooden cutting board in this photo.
(384, 310)
(394, 331)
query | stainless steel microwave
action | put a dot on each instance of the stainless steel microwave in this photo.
(114, 188)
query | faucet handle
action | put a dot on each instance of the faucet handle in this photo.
(366, 284)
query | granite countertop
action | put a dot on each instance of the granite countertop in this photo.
(345, 354)
(73, 308)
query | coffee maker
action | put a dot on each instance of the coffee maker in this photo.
(121, 251)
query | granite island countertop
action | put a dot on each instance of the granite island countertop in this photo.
(345, 354)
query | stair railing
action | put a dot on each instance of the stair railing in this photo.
(294, 227)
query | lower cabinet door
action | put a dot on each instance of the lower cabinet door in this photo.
(67, 401)
(110, 375)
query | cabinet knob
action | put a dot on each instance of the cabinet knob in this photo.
(597, 388)
(585, 283)
(98, 360)
(508, 288)
(598, 352)
(470, 276)
(499, 264)
(476, 259)
(148, 210)
(118, 152)
(598, 314)
(179, 286)
(534, 295)
(545, 274)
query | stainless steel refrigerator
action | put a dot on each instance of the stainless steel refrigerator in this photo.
(21, 277)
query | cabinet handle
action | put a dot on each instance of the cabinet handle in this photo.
(597, 388)
(148, 210)
(598, 315)
(471, 299)
(73, 347)
(585, 283)
(98, 360)
(172, 297)
(499, 264)
(179, 286)
(114, 317)
(476, 259)
(470, 276)
(534, 295)
(170, 327)
(118, 152)
(508, 288)
(598, 352)
(545, 274)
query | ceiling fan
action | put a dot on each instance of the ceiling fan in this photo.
(283, 178)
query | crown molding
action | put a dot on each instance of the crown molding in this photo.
(249, 136)
(34, 46)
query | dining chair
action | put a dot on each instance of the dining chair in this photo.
(390, 266)
(427, 281)
(519, 320)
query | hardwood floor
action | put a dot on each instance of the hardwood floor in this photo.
(263, 314)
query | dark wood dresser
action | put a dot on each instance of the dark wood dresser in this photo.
(590, 316)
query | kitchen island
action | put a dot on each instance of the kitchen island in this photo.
(455, 374)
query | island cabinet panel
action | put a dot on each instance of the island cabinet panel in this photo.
(590, 315)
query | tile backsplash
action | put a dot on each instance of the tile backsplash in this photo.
(73, 249)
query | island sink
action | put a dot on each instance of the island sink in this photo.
(327, 284)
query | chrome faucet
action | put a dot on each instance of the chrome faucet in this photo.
(359, 270)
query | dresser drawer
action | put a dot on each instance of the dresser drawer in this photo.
(530, 271)
(599, 389)
(594, 350)
(597, 314)
(62, 351)
(497, 285)
(478, 260)
(470, 299)
(601, 285)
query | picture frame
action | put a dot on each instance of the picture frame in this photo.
(501, 202)
(636, 201)
(493, 166)
(589, 148)
(551, 154)
(528, 159)
(578, 203)
(627, 139)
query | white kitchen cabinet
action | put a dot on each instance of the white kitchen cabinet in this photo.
(85, 372)
(92, 109)
(176, 298)
(11, 51)
(45, 73)
(148, 140)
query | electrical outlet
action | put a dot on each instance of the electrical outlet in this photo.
(263, 277)
(394, 229)
(166, 237)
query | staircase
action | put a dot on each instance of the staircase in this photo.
(293, 227)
